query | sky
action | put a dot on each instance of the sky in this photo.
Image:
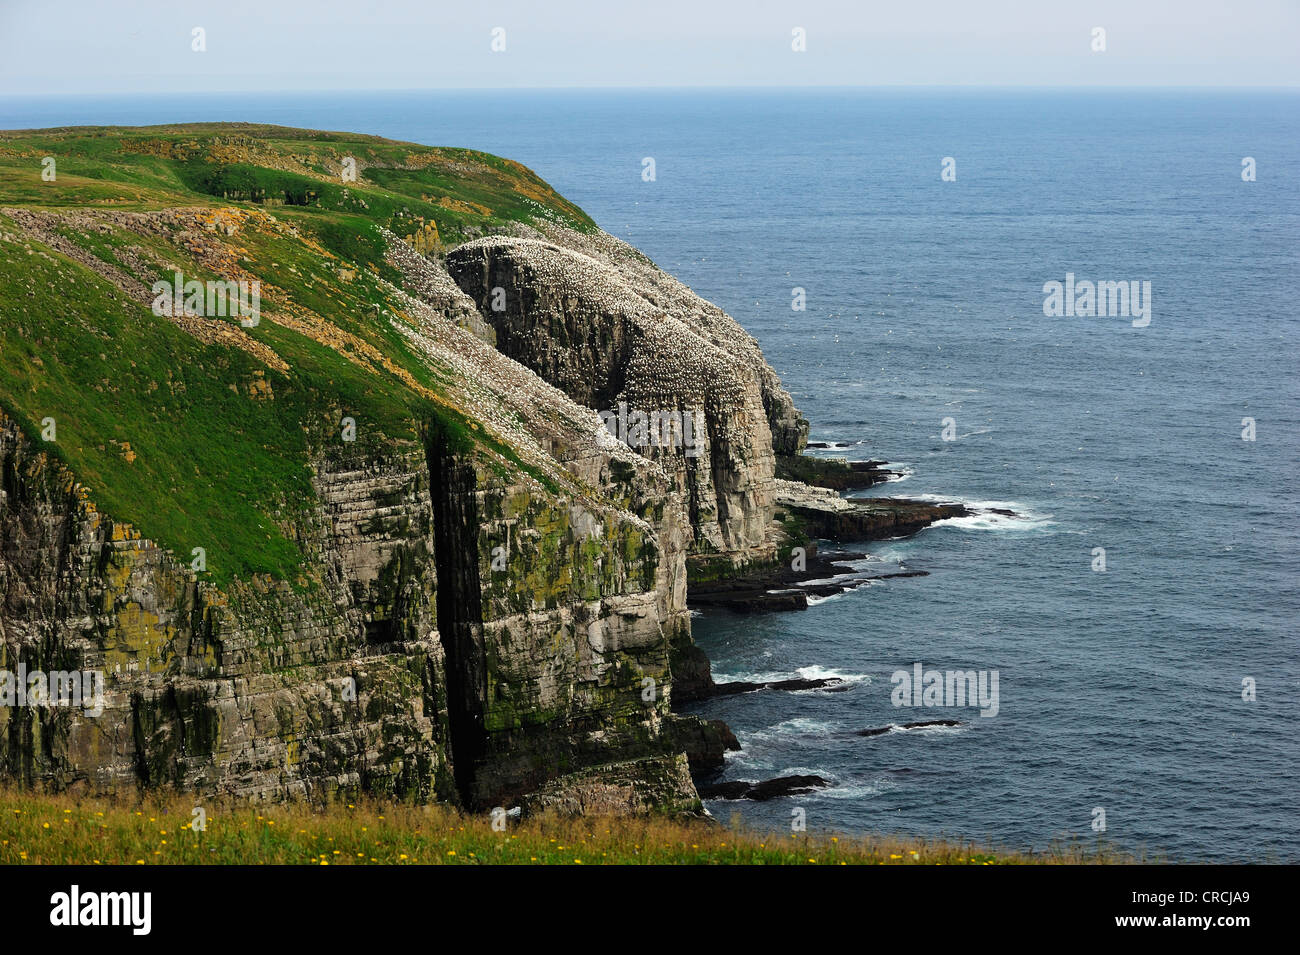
(127, 46)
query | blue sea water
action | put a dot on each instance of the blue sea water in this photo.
(1120, 690)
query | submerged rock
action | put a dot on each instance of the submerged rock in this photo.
(920, 724)
(736, 687)
(765, 790)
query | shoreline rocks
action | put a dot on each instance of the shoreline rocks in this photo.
(820, 513)
(823, 513)
(758, 593)
(705, 742)
(763, 791)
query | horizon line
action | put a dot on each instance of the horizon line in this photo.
(757, 88)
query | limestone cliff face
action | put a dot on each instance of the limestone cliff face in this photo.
(264, 691)
(463, 631)
(469, 639)
(596, 319)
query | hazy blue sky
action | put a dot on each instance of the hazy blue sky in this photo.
(61, 46)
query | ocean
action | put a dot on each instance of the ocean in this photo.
(1159, 694)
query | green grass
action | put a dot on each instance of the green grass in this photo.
(460, 190)
(163, 429)
(60, 829)
(111, 375)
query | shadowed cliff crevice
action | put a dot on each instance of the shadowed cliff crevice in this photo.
(452, 485)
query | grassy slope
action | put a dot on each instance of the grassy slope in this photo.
(36, 829)
(460, 190)
(210, 465)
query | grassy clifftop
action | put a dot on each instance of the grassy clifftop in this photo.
(452, 194)
(199, 433)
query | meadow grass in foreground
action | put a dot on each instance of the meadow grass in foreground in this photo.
(62, 829)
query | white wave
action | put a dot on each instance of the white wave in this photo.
(858, 790)
(991, 521)
(995, 522)
(1016, 506)
(858, 564)
(744, 677)
(814, 600)
(891, 552)
(1022, 518)
(801, 770)
(740, 767)
(805, 726)
(834, 446)
(939, 730)
(839, 579)
(924, 730)
(808, 673)
(823, 673)
(753, 742)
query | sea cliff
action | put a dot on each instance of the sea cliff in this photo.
(374, 537)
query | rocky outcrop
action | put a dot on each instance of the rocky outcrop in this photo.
(785, 587)
(705, 742)
(597, 320)
(835, 473)
(765, 790)
(823, 513)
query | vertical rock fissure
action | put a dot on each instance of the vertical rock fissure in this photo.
(459, 603)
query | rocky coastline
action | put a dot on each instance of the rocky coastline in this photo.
(479, 594)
